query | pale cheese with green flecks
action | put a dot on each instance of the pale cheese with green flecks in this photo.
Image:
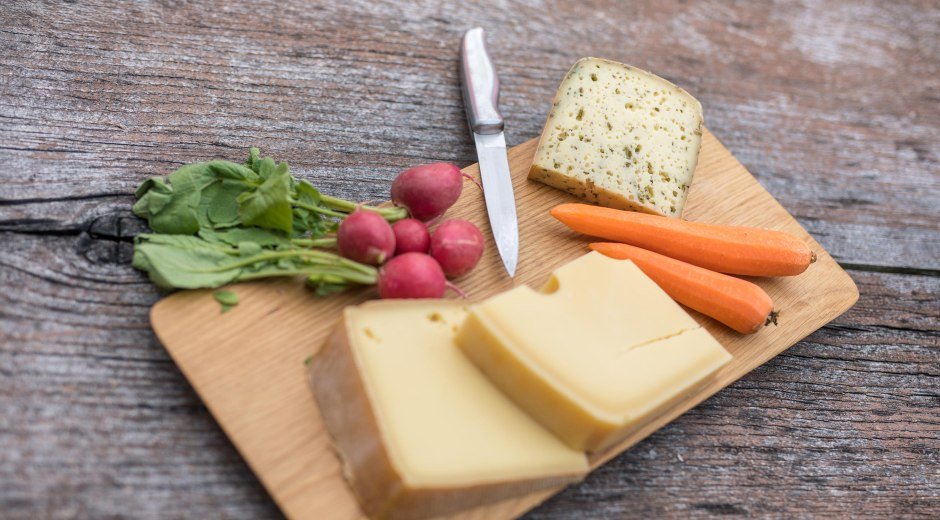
(620, 137)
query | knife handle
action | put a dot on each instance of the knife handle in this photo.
(480, 85)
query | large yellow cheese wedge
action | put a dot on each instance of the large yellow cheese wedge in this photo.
(595, 354)
(420, 430)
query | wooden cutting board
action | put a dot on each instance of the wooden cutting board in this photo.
(248, 364)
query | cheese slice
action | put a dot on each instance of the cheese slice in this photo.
(620, 137)
(420, 430)
(597, 353)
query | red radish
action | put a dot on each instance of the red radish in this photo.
(364, 236)
(412, 275)
(411, 236)
(428, 190)
(457, 245)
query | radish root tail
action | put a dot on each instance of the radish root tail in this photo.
(473, 180)
(457, 290)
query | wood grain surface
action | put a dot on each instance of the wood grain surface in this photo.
(249, 373)
(834, 106)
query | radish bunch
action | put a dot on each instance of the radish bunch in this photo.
(415, 262)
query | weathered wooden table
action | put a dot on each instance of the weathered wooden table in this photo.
(834, 106)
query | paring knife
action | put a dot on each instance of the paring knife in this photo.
(480, 87)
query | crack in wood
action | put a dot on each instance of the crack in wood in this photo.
(890, 269)
(64, 198)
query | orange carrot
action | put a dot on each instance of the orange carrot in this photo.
(737, 303)
(726, 249)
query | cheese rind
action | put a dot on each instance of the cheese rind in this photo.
(595, 355)
(620, 137)
(420, 430)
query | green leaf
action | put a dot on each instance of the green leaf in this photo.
(252, 160)
(183, 242)
(265, 168)
(191, 178)
(323, 286)
(325, 289)
(249, 248)
(165, 210)
(326, 279)
(306, 221)
(232, 171)
(269, 205)
(191, 262)
(218, 204)
(227, 299)
(157, 183)
(140, 261)
(184, 262)
(154, 194)
(267, 238)
(173, 208)
(307, 193)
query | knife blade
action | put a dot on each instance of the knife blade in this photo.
(480, 87)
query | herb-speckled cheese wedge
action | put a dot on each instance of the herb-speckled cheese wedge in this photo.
(620, 137)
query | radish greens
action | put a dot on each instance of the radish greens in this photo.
(219, 222)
